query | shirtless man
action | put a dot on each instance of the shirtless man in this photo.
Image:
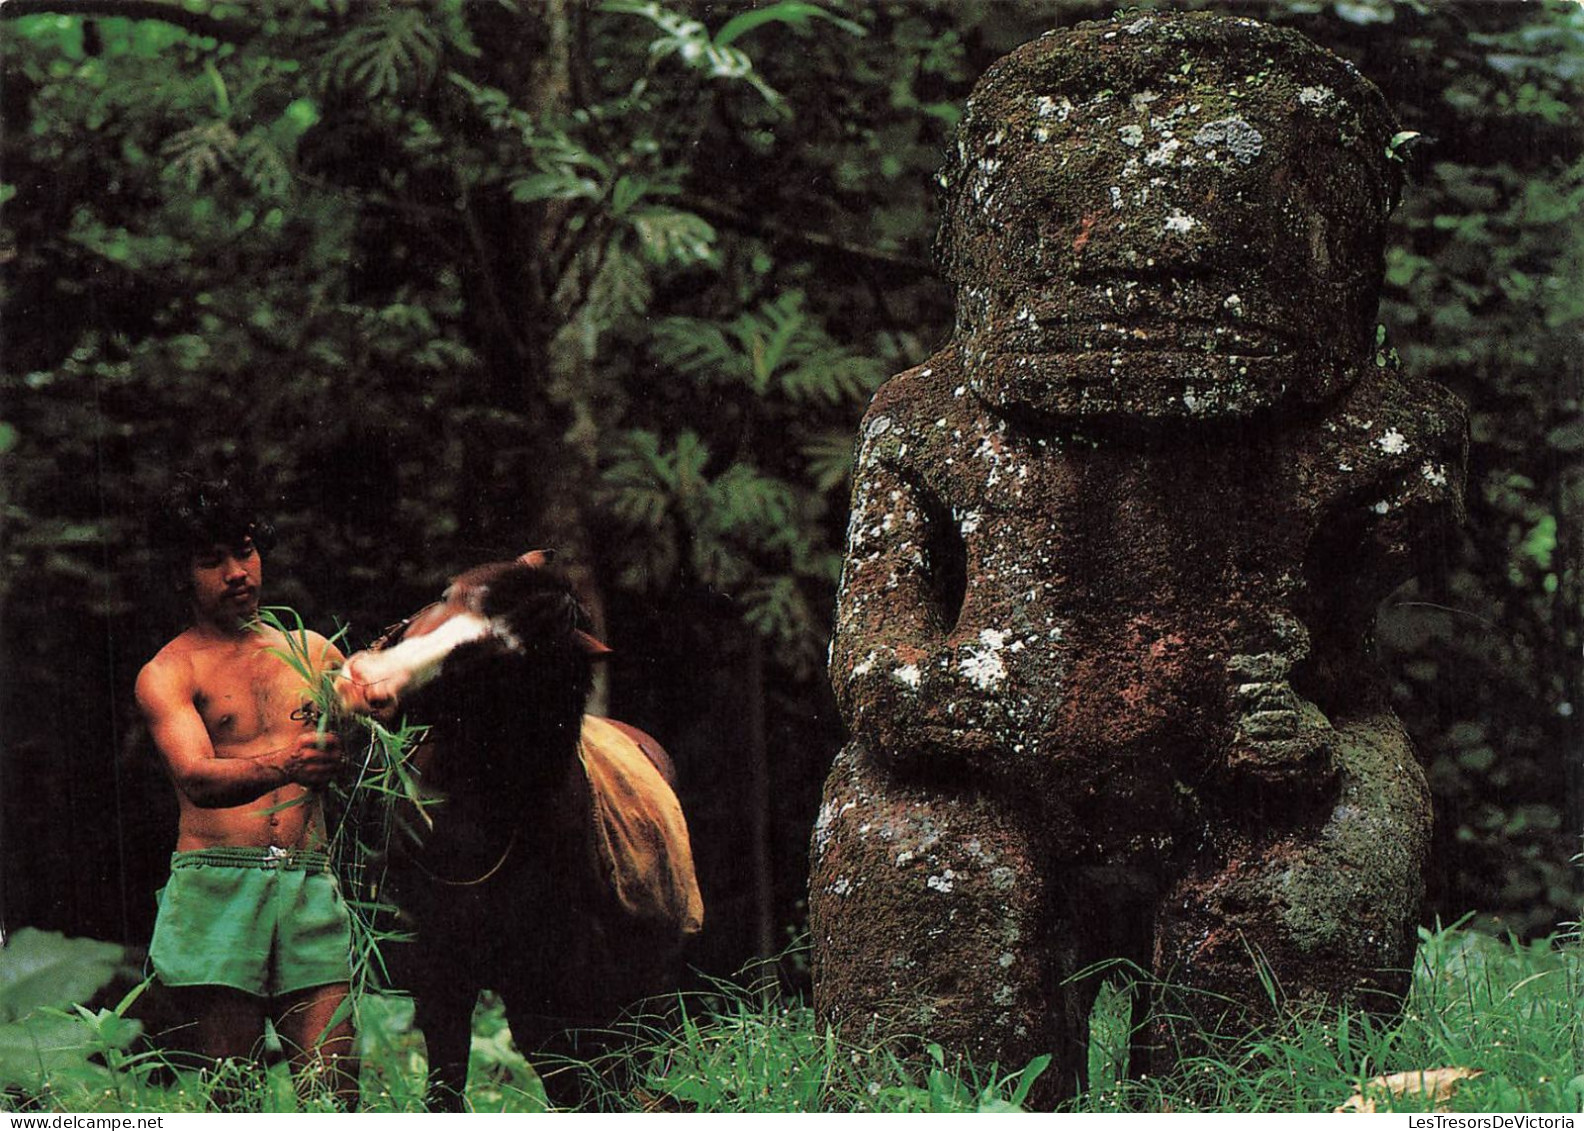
(251, 923)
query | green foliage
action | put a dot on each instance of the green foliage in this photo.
(741, 1050)
(393, 50)
(771, 382)
(46, 1040)
(1504, 1009)
(40, 968)
(777, 351)
(690, 41)
(1481, 295)
(459, 283)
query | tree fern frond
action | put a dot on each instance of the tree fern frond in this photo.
(830, 459)
(697, 348)
(555, 149)
(564, 170)
(196, 154)
(643, 465)
(772, 334)
(831, 375)
(389, 52)
(776, 347)
(632, 189)
(748, 503)
(619, 290)
(263, 164)
(778, 610)
(636, 485)
(719, 564)
(670, 235)
(689, 459)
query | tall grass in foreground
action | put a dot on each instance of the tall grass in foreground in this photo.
(1507, 1010)
(739, 1049)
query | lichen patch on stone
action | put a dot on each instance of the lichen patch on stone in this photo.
(1392, 442)
(1242, 140)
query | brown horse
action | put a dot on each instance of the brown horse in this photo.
(556, 870)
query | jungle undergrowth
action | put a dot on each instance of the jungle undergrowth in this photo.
(1503, 1008)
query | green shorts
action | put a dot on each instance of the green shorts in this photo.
(266, 921)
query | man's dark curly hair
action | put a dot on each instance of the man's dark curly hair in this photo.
(197, 513)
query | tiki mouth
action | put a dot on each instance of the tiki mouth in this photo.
(1181, 337)
(1149, 358)
(1184, 314)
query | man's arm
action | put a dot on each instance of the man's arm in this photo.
(164, 692)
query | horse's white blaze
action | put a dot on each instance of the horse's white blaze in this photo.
(415, 661)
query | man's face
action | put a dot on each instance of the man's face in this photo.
(225, 579)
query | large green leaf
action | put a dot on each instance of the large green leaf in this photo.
(42, 968)
(48, 1046)
(40, 973)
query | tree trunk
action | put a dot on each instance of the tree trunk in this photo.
(759, 799)
(1567, 643)
(549, 87)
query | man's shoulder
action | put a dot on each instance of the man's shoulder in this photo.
(176, 653)
(293, 638)
(323, 649)
(171, 667)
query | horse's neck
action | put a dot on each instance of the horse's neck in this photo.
(510, 767)
(540, 821)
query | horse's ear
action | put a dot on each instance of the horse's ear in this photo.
(536, 559)
(593, 647)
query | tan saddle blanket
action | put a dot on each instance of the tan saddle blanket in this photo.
(640, 835)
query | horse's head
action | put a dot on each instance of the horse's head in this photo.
(516, 619)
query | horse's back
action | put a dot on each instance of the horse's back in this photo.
(650, 746)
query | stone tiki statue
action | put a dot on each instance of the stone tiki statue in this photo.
(1103, 639)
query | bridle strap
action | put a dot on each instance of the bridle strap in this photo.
(393, 633)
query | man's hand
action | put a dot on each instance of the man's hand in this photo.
(360, 696)
(312, 759)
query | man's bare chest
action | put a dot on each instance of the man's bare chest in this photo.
(245, 696)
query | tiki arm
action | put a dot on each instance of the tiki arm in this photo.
(911, 674)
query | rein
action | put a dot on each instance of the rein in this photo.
(510, 844)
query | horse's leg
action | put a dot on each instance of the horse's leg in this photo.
(587, 1018)
(444, 1012)
(555, 1050)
